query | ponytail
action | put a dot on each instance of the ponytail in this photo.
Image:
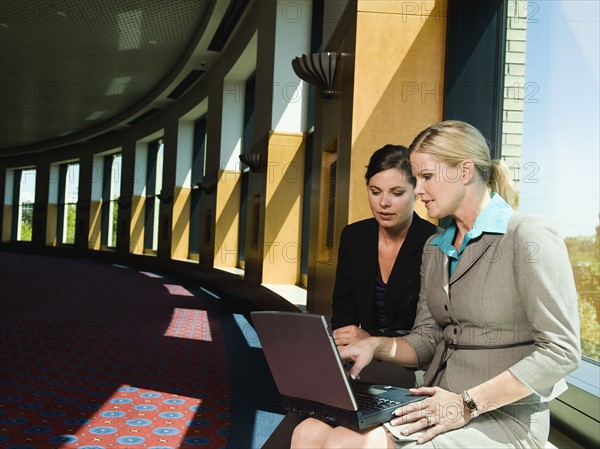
(500, 182)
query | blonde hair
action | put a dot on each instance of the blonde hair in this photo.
(453, 141)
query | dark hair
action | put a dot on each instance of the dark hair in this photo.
(390, 156)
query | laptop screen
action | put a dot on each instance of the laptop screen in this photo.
(303, 358)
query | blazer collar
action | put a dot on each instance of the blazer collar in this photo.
(473, 252)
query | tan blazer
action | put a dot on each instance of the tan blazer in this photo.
(505, 289)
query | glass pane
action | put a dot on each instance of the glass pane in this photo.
(558, 171)
(69, 228)
(25, 222)
(114, 211)
(26, 203)
(156, 216)
(115, 189)
(72, 183)
(159, 167)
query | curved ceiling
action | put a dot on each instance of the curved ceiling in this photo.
(74, 69)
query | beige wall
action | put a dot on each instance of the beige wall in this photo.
(94, 241)
(51, 224)
(136, 230)
(283, 209)
(386, 110)
(378, 99)
(227, 219)
(180, 247)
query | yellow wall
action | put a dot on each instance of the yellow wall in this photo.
(181, 223)
(51, 224)
(94, 241)
(390, 86)
(283, 208)
(136, 230)
(227, 219)
(398, 88)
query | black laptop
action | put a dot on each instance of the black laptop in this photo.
(311, 379)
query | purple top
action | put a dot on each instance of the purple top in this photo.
(380, 311)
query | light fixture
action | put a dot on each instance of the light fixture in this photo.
(318, 69)
(164, 198)
(207, 187)
(252, 160)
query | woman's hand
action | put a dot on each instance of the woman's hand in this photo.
(440, 412)
(349, 334)
(360, 353)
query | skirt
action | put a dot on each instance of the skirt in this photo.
(512, 426)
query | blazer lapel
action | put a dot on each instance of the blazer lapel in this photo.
(366, 267)
(400, 276)
(472, 253)
(407, 258)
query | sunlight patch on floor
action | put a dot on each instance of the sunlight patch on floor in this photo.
(189, 323)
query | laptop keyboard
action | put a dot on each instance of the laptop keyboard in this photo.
(368, 403)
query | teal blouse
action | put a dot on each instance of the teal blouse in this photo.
(493, 219)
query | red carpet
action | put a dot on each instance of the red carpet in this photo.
(98, 356)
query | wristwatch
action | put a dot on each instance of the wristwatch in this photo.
(470, 404)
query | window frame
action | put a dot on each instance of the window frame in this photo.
(576, 412)
(17, 205)
(62, 206)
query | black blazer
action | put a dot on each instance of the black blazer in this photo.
(354, 291)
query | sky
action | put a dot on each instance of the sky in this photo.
(562, 115)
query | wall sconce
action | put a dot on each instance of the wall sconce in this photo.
(207, 187)
(253, 160)
(164, 198)
(318, 69)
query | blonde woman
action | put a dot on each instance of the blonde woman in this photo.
(497, 322)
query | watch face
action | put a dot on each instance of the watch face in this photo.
(470, 404)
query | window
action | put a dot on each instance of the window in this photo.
(23, 204)
(551, 141)
(558, 173)
(68, 191)
(153, 188)
(111, 190)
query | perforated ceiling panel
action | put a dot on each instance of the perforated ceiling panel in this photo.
(71, 65)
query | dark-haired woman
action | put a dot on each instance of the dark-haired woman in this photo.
(377, 278)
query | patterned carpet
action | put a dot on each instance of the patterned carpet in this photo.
(99, 356)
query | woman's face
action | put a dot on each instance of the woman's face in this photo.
(439, 185)
(391, 197)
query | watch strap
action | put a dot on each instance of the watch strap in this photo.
(470, 404)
